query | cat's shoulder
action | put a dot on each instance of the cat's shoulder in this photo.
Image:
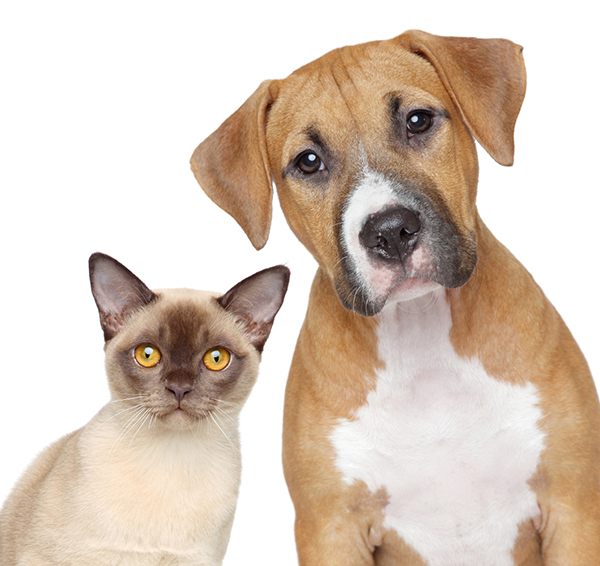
(25, 494)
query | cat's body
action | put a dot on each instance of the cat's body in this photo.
(153, 478)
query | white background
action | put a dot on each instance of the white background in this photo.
(101, 106)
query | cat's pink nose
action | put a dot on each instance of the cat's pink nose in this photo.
(179, 391)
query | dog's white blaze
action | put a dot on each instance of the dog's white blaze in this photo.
(453, 447)
(372, 194)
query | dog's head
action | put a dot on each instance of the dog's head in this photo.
(371, 149)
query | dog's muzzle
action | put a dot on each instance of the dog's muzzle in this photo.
(390, 231)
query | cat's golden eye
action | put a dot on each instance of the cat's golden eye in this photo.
(217, 359)
(147, 355)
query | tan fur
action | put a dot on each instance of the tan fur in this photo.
(111, 493)
(500, 316)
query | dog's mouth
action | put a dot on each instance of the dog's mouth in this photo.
(367, 291)
(411, 288)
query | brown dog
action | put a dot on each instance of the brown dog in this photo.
(438, 410)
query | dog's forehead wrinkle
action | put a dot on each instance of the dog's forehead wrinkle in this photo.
(342, 69)
(343, 77)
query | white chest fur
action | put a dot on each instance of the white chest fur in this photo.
(453, 447)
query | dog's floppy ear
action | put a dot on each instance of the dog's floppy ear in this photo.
(486, 80)
(232, 166)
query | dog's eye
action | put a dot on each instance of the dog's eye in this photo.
(309, 163)
(418, 122)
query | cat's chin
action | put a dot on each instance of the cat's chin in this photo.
(178, 419)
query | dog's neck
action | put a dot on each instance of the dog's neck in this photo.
(417, 329)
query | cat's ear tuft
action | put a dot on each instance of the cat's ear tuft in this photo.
(256, 300)
(118, 292)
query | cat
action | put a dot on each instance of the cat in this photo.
(153, 478)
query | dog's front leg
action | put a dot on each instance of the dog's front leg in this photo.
(570, 539)
(570, 522)
(338, 521)
(330, 532)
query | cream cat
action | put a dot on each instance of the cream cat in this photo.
(153, 478)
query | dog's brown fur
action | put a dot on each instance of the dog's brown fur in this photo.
(499, 316)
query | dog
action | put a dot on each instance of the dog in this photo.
(438, 411)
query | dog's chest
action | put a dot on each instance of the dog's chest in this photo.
(452, 446)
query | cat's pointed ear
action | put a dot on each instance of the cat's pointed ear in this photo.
(118, 292)
(256, 300)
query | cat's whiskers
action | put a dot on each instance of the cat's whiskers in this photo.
(131, 422)
(225, 414)
(134, 421)
(237, 405)
(132, 408)
(148, 414)
(192, 425)
(214, 420)
(199, 426)
(125, 399)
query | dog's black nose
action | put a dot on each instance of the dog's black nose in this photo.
(391, 234)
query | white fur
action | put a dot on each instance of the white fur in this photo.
(372, 193)
(453, 446)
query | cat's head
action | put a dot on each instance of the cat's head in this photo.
(182, 354)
